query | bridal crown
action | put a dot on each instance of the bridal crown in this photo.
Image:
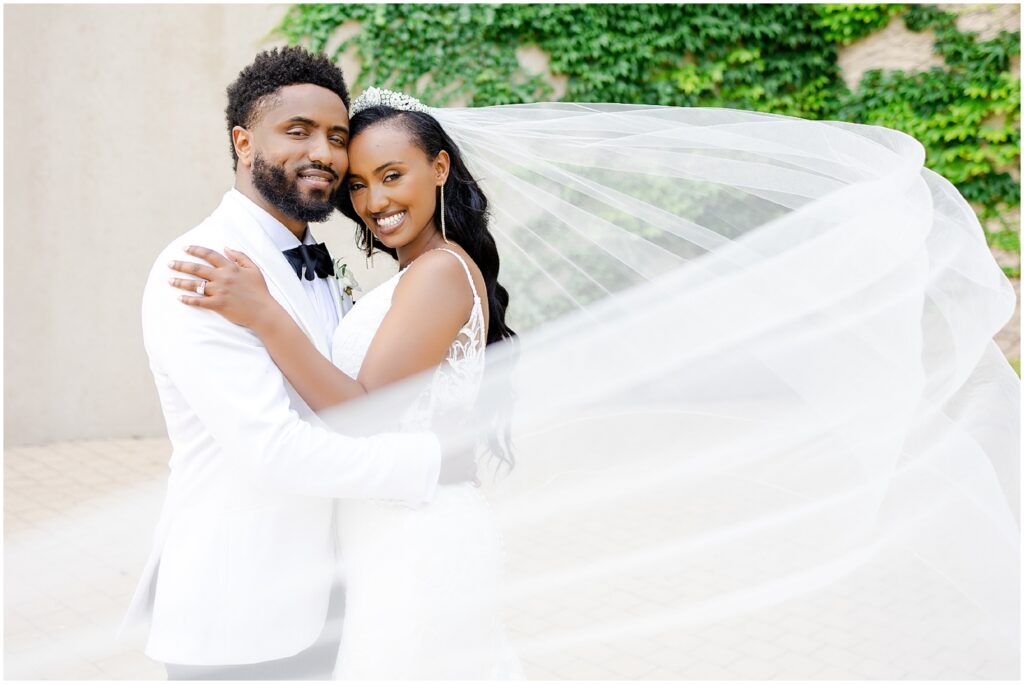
(374, 97)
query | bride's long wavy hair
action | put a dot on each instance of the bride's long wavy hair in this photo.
(466, 223)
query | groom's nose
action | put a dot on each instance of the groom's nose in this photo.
(319, 150)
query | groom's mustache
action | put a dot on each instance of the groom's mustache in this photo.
(318, 167)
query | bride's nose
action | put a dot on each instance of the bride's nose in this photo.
(377, 200)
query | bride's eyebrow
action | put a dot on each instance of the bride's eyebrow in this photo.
(385, 165)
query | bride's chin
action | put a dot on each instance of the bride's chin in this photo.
(396, 240)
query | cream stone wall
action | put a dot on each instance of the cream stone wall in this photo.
(896, 47)
(114, 143)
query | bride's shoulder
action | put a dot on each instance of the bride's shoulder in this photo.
(440, 276)
(439, 268)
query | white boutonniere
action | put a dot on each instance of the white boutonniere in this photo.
(347, 283)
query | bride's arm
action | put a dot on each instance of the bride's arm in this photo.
(319, 382)
(431, 303)
(236, 290)
(428, 308)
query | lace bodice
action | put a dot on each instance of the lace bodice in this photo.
(456, 380)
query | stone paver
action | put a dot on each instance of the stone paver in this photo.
(78, 519)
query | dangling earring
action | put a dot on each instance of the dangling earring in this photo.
(443, 235)
(369, 245)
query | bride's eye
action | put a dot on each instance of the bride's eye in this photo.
(392, 175)
(355, 186)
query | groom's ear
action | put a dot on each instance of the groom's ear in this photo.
(442, 164)
(242, 140)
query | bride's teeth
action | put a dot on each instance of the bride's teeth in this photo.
(391, 220)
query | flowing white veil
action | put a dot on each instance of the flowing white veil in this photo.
(760, 426)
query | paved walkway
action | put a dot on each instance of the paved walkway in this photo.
(78, 520)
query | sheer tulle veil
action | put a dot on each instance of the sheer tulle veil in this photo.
(755, 397)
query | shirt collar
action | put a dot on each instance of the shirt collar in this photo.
(277, 232)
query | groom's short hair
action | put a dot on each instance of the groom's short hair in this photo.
(271, 71)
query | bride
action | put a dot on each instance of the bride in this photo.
(762, 429)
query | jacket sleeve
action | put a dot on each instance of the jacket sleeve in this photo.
(227, 378)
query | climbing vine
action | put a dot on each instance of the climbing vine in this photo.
(845, 24)
(780, 58)
(967, 115)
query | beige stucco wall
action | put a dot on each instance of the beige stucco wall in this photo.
(114, 143)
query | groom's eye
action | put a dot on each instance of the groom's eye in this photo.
(297, 131)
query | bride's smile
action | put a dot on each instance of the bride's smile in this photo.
(389, 223)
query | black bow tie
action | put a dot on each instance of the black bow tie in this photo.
(315, 258)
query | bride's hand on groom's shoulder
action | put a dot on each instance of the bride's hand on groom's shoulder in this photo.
(232, 287)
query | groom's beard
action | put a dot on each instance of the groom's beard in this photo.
(283, 192)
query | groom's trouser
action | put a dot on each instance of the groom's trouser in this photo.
(316, 662)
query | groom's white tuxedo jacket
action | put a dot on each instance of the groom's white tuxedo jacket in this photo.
(244, 552)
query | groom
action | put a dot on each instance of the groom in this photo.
(240, 576)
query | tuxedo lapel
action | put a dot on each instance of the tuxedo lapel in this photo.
(281, 279)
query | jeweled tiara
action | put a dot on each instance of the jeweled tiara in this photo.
(374, 97)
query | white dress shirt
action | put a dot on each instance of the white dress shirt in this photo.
(318, 290)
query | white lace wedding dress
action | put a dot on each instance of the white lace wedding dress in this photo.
(421, 584)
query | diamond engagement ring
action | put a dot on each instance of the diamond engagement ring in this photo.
(201, 288)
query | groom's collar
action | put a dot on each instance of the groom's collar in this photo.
(278, 233)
